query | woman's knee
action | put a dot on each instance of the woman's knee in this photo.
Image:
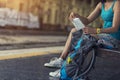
(73, 30)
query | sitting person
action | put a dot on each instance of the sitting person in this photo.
(109, 33)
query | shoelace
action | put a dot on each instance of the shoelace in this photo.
(53, 59)
(57, 73)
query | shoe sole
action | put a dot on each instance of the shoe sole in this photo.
(53, 76)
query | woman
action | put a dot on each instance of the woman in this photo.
(109, 33)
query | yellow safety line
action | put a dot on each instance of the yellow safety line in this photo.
(22, 55)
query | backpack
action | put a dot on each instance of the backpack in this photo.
(81, 57)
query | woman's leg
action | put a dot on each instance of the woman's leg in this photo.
(58, 62)
(67, 45)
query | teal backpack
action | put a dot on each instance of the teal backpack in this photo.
(81, 57)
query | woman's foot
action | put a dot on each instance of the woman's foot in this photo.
(55, 73)
(54, 63)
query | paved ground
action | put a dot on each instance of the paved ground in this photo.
(25, 68)
(31, 68)
(8, 42)
(17, 55)
(17, 39)
(26, 64)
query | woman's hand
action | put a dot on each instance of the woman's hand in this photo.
(89, 30)
(73, 15)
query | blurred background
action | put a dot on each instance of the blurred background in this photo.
(43, 15)
(34, 31)
(39, 23)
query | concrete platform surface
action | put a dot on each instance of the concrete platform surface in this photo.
(8, 42)
(18, 53)
(31, 68)
(17, 39)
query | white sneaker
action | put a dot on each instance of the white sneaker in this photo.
(54, 63)
(55, 73)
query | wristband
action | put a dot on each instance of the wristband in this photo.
(98, 30)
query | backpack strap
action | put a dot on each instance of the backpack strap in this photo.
(89, 67)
